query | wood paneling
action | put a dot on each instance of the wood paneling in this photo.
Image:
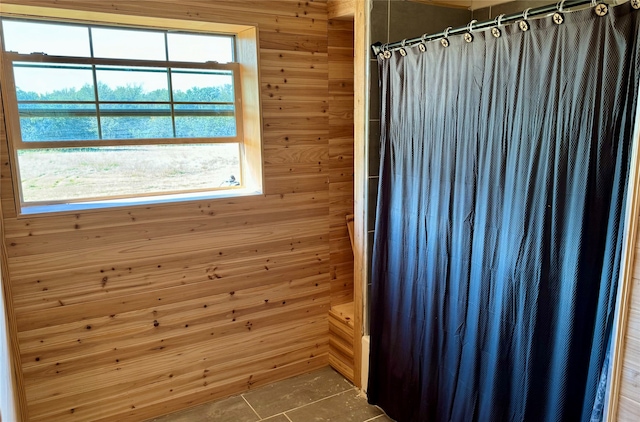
(341, 339)
(628, 400)
(10, 368)
(340, 55)
(11, 375)
(128, 313)
(341, 9)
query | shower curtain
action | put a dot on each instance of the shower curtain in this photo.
(498, 238)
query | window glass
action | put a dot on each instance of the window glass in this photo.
(78, 173)
(128, 44)
(58, 122)
(132, 84)
(198, 120)
(50, 38)
(195, 85)
(199, 48)
(136, 121)
(50, 82)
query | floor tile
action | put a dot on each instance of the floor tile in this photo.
(345, 407)
(233, 409)
(295, 392)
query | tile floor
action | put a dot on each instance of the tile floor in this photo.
(320, 396)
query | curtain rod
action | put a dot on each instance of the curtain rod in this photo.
(529, 13)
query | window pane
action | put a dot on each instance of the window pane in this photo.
(203, 120)
(132, 84)
(202, 85)
(200, 48)
(58, 122)
(53, 39)
(128, 44)
(53, 82)
(73, 173)
(131, 121)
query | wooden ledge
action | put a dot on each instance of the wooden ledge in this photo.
(344, 312)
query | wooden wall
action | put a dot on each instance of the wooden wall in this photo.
(8, 411)
(125, 314)
(629, 398)
(340, 36)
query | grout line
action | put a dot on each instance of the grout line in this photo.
(375, 417)
(314, 402)
(249, 404)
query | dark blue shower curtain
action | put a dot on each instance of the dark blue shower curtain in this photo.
(504, 164)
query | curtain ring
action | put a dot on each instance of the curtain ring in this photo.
(445, 41)
(402, 50)
(468, 37)
(423, 44)
(495, 31)
(558, 17)
(524, 25)
(385, 51)
(601, 9)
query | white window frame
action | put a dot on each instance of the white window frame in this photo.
(247, 104)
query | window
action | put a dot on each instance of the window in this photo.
(117, 115)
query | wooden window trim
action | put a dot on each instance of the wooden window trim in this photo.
(248, 105)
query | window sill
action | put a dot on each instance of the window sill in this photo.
(35, 210)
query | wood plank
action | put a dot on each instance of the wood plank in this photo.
(629, 409)
(295, 154)
(286, 184)
(361, 133)
(295, 109)
(350, 223)
(341, 9)
(293, 42)
(292, 60)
